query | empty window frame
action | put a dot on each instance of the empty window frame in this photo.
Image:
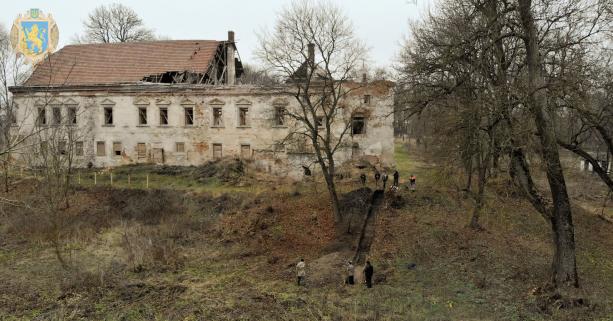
(108, 115)
(61, 147)
(164, 116)
(78, 148)
(319, 121)
(42, 117)
(100, 148)
(367, 99)
(243, 114)
(71, 118)
(217, 153)
(358, 125)
(56, 115)
(217, 117)
(141, 150)
(280, 116)
(180, 147)
(117, 148)
(245, 151)
(189, 116)
(12, 117)
(142, 116)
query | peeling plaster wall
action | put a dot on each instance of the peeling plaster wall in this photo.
(260, 133)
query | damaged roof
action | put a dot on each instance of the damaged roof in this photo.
(122, 63)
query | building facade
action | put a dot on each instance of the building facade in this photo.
(164, 102)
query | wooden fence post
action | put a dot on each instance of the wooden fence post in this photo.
(95, 178)
(111, 178)
(79, 177)
(147, 186)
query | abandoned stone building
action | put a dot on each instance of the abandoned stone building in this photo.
(181, 102)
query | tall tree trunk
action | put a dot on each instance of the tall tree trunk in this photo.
(328, 172)
(5, 168)
(469, 175)
(564, 264)
(481, 169)
(6, 179)
(334, 199)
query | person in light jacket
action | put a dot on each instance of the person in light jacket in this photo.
(350, 271)
(301, 271)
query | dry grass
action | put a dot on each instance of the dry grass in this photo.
(197, 255)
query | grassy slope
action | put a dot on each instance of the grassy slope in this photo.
(197, 265)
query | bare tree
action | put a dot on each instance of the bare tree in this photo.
(13, 71)
(114, 23)
(54, 146)
(514, 60)
(313, 46)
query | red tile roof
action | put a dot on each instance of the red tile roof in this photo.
(119, 63)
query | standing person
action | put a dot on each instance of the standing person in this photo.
(301, 271)
(412, 180)
(368, 272)
(363, 179)
(384, 179)
(377, 176)
(350, 269)
(396, 178)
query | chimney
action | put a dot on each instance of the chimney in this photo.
(364, 78)
(311, 57)
(230, 66)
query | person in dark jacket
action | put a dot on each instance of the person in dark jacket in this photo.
(396, 178)
(363, 179)
(368, 272)
(377, 177)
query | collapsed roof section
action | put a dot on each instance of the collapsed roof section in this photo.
(173, 61)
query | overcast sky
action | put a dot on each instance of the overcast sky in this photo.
(381, 24)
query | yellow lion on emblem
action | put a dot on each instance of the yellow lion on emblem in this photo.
(35, 38)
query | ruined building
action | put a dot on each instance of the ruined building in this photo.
(180, 102)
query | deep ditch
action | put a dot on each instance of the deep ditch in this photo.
(367, 233)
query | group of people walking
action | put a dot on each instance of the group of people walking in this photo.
(349, 267)
(350, 273)
(384, 177)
